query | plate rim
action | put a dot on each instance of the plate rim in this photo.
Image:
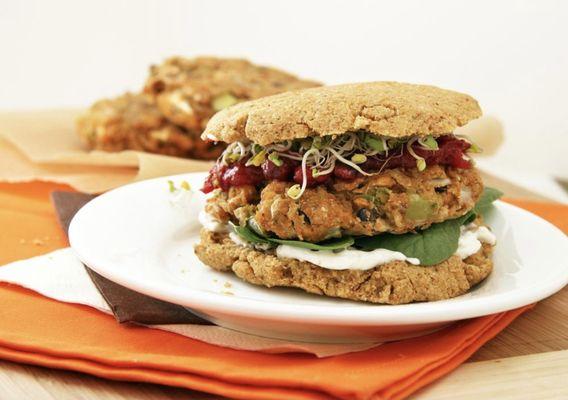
(370, 315)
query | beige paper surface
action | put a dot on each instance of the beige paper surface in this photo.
(15, 167)
(43, 145)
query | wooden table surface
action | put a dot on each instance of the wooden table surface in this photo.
(528, 360)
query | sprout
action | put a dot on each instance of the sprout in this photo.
(359, 158)
(273, 157)
(257, 159)
(242, 149)
(306, 143)
(231, 158)
(321, 142)
(428, 142)
(294, 192)
(420, 161)
(171, 185)
(317, 142)
(474, 148)
(347, 162)
(282, 146)
(304, 173)
(183, 185)
(320, 154)
(375, 143)
(234, 152)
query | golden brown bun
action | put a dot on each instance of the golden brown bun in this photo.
(397, 282)
(384, 108)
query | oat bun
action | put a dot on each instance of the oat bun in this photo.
(397, 282)
(384, 108)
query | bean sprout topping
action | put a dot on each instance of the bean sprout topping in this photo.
(363, 152)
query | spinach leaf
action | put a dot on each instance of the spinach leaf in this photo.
(488, 196)
(435, 244)
(250, 235)
(330, 244)
(431, 246)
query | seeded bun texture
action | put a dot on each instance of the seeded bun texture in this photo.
(396, 282)
(392, 109)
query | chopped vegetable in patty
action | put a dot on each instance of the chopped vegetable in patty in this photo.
(396, 200)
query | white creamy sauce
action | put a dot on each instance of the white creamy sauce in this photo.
(471, 238)
(346, 259)
(210, 223)
(238, 240)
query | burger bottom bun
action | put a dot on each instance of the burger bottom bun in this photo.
(397, 282)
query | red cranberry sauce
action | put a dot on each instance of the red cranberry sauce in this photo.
(451, 152)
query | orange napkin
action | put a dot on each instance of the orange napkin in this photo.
(40, 331)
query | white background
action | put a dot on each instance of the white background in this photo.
(511, 55)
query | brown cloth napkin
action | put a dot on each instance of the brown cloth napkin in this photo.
(126, 305)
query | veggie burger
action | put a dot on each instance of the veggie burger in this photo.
(358, 191)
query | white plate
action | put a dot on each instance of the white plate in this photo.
(139, 237)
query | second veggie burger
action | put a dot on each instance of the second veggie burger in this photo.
(357, 191)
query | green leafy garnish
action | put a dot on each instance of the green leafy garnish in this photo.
(248, 234)
(317, 142)
(273, 157)
(258, 159)
(375, 143)
(329, 244)
(431, 246)
(251, 235)
(488, 196)
(429, 142)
